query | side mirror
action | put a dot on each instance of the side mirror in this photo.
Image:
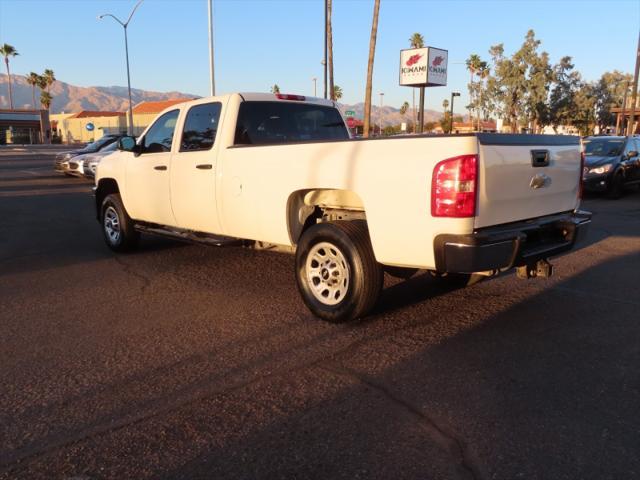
(632, 154)
(127, 144)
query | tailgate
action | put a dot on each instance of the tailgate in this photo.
(526, 176)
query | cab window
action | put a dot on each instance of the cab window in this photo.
(200, 127)
(268, 123)
(160, 136)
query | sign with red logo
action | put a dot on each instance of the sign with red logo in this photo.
(423, 67)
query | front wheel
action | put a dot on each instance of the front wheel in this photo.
(616, 190)
(336, 270)
(117, 228)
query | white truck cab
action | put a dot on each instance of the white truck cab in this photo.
(281, 169)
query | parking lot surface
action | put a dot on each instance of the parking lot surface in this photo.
(183, 361)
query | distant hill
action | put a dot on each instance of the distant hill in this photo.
(390, 115)
(69, 98)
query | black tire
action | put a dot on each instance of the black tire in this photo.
(117, 228)
(616, 190)
(352, 253)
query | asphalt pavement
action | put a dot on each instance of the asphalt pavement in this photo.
(182, 361)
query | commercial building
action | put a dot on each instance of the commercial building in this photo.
(145, 112)
(24, 126)
(88, 125)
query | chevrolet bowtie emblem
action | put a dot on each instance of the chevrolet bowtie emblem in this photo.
(540, 180)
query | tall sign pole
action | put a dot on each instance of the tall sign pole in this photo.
(634, 94)
(211, 71)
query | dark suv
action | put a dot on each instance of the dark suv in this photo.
(611, 164)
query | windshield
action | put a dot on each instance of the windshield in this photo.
(98, 144)
(603, 147)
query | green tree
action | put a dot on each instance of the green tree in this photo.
(561, 105)
(372, 52)
(404, 108)
(609, 92)
(337, 93)
(7, 51)
(275, 88)
(32, 79)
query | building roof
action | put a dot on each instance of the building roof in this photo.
(95, 113)
(157, 107)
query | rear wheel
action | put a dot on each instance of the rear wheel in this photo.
(336, 271)
(117, 228)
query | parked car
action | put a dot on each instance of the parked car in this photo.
(90, 161)
(611, 164)
(90, 148)
(281, 170)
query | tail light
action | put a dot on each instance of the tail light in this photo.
(580, 185)
(453, 187)
(288, 96)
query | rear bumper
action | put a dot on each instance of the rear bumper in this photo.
(510, 245)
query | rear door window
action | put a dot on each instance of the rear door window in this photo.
(200, 127)
(264, 123)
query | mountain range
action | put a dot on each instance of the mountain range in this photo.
(70, 98)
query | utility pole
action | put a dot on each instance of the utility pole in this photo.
(623, 127)
(314, 80)
(381, 95)
(326, 8)
(211, 71)
(634, 93)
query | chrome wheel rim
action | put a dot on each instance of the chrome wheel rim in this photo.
(327, 273)
(112, 225)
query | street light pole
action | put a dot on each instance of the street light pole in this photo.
(126, 52)
(453, 95)
(211, 75)
(324, 62)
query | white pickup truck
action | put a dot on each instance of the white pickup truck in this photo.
(282, 170)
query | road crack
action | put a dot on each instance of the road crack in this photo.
(129, 270)
(442, 435)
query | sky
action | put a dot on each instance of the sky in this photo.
(262, 42)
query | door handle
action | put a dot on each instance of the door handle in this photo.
(160, 167)
(204, 166)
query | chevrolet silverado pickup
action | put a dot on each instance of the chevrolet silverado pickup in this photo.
(282, 170)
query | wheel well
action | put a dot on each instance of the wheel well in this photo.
(106, 186)
(308, 207)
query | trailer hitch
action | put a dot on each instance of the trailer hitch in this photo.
(542, 268)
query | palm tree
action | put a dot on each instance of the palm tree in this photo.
(337, 93)
(415, 41)
(330, 49)
(46, 99)
(7, 51)
(275, 88)
(404, 108)
(372, 52)
(474, 63)
(49, 78)
(482, 73)
(32, 79)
